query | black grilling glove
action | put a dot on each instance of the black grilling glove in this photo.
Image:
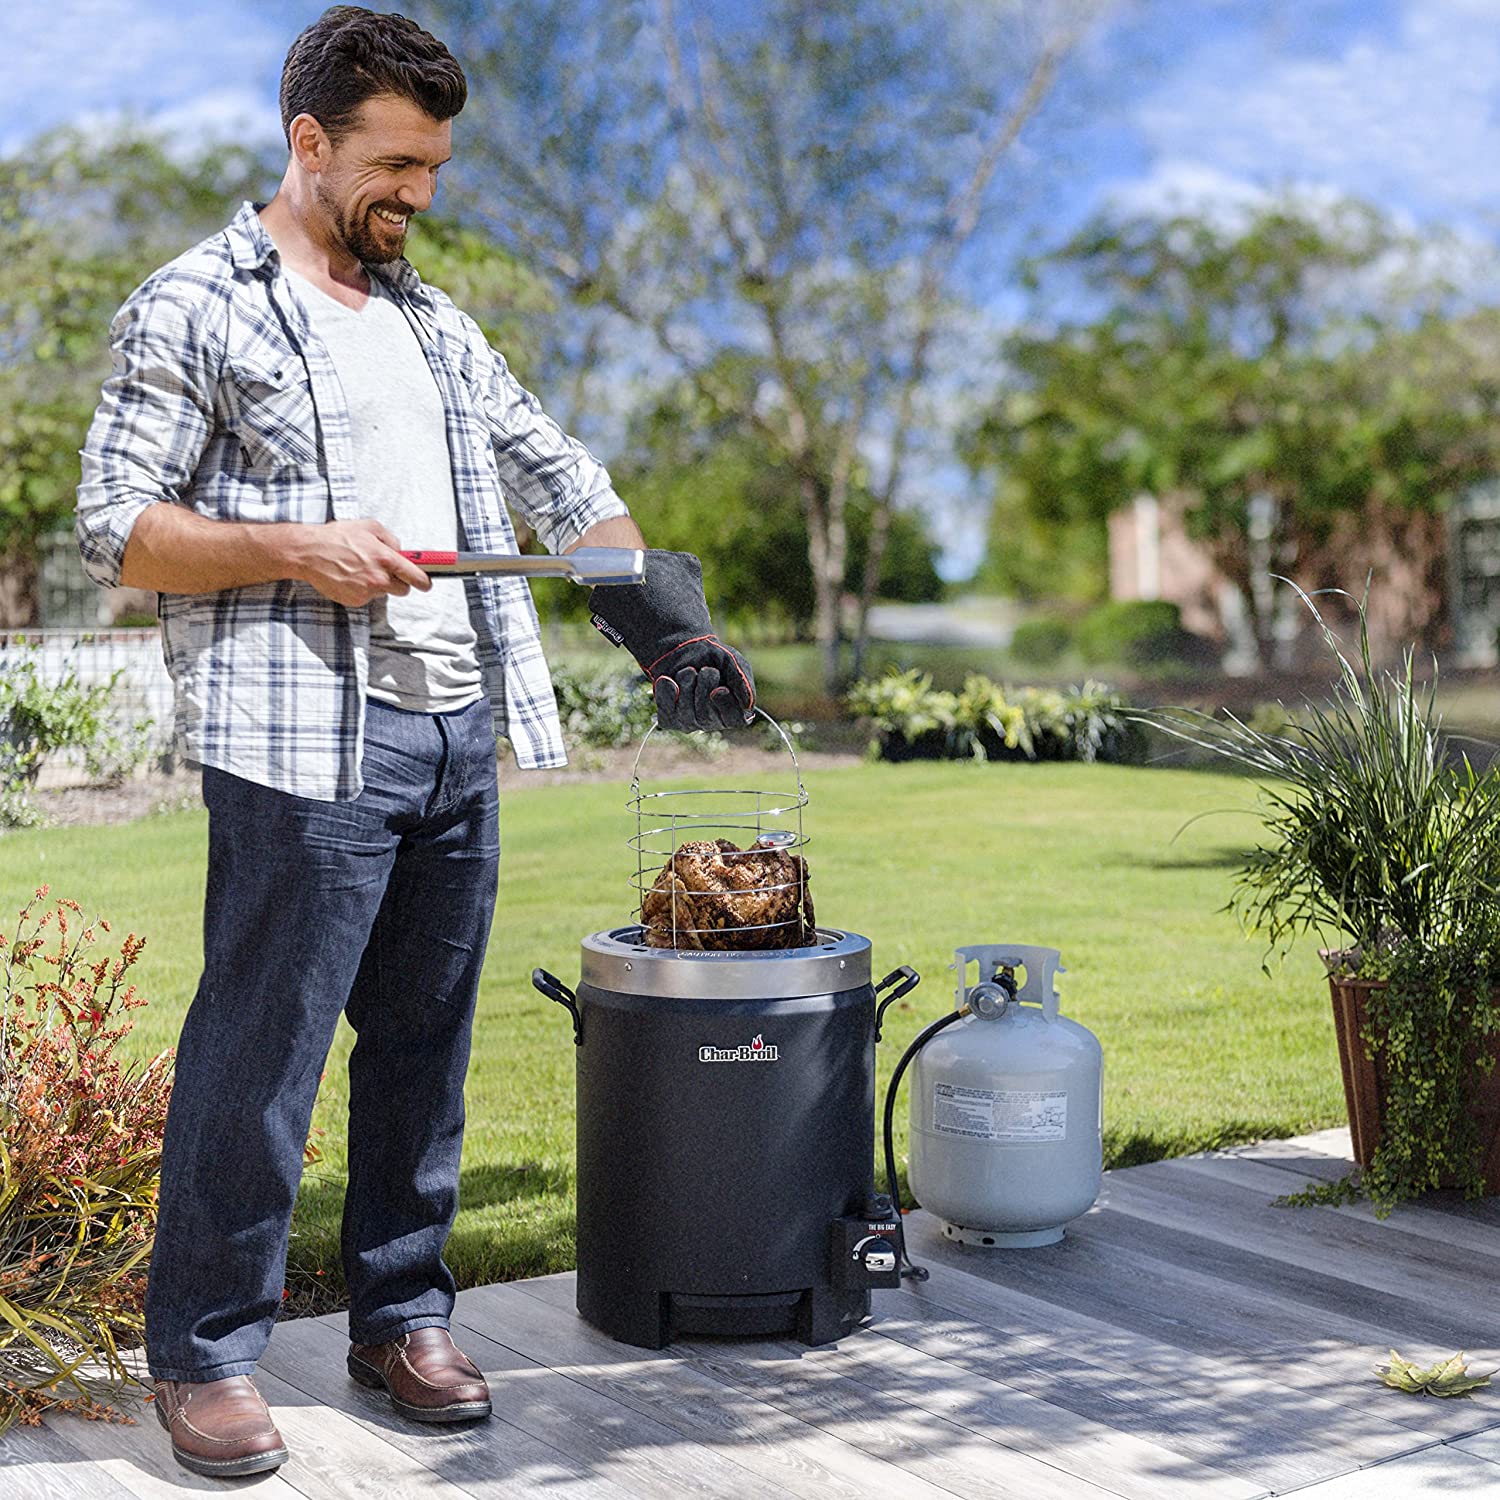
(699, 682)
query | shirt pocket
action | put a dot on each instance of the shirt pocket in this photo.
(274, 417)
(459, 360)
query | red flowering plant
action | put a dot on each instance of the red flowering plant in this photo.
(80, 1157)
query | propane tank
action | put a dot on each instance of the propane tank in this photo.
(1007, 1106)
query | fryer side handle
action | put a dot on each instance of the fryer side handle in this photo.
(909, 978)
(554, 989)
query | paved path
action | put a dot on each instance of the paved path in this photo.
(1186, 1339)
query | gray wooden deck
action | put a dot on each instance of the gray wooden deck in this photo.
(1185, 1339)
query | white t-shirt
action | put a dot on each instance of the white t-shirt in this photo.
(422, 645)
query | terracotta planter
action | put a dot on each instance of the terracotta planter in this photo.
(1364, 1082)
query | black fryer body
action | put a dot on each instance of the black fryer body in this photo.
(708, 1179)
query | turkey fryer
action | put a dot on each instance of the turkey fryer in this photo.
(725, 1114)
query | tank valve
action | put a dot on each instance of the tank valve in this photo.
(988, 1000)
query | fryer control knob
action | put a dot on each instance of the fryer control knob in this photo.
(866, 1253)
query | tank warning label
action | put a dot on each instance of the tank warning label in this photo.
(1000, 1114)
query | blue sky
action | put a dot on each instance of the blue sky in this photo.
(1201, 102)
(1396, 99)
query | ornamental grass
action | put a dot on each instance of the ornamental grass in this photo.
(1376, 834)
(80, 1156)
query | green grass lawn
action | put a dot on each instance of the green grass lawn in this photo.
(1200, 1047)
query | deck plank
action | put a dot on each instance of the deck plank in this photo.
(39, 1463)
(1055, 1337)
(1241, 1299)
(1441, 1471)
(482, 1459)
(1194, 1293)
(1270, 1436)
(1114, 1460)
(644, 1456)
(1384, 1286)
(1184, 1340)
(1479, 1242)
(1328, 1155)
(909, 1438)
(1306, 1342)
(1241, 1422)
(538, 1317)
(1242, 1195)
(333, 1457)
(139, 1459)
(1484, 1444)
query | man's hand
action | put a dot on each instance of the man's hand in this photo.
(353, 562)
(704, 685)
(699, 682)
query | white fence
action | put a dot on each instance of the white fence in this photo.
(144, 690)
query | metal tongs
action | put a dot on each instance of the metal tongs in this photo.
(584, 565)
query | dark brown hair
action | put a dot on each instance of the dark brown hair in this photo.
(350, 54)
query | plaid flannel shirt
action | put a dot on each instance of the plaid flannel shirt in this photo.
(223, 398)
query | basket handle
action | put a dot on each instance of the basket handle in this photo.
(635, 770)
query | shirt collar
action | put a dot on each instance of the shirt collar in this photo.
(250, 247)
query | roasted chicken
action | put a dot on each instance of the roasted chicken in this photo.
(713, 894)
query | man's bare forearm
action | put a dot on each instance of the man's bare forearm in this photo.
(176, 551)
(617, 531)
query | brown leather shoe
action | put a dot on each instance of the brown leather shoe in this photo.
(219, 1427)
(426, 1378)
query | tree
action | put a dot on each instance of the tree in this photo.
(79, 226)
(84, 222)
(791, 186)
(1278, 373)
(699, 481)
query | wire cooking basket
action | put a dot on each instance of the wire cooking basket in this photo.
(720, 868)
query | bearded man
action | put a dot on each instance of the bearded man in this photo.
(290, 406)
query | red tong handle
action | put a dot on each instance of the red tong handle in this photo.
(432, 559)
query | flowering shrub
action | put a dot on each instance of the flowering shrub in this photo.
(909, 716)
(603, 709)
(913, 720)
(80, 1155)
(39, 717)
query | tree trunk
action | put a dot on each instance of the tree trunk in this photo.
(827, 543)
(880, 526)
(1231, 555)
(19, 601)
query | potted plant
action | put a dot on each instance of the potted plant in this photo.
(1375, 832)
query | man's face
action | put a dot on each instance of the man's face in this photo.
(380, 174)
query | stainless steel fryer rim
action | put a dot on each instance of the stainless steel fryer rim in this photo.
(619, 960)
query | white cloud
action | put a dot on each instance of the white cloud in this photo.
(224, 116)
(1403, 115)
(240, 115)
(1178, 185)
(204, 63)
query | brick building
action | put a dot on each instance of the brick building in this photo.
(1434, 580)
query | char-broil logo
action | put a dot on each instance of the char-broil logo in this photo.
(756, 1051)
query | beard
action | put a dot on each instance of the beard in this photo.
(366, 238)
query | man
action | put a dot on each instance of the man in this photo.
(289, 407)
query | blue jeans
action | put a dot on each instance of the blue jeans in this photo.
(379, 907)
